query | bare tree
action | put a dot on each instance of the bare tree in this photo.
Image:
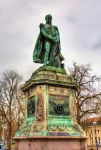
(88, 94)
(9, 103)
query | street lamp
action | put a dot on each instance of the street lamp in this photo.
(94, 123)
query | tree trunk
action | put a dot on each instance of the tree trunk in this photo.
(9, 136)
(78, 113)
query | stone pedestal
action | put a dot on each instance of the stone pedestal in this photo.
(51, 143)
(50, 122)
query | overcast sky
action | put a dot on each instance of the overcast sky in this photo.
(79, 23)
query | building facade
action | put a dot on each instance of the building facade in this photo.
(93, 132)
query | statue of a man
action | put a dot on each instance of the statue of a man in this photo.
(47, 48)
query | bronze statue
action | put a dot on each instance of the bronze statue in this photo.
(47, 48)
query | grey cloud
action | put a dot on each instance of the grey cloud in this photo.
(97, 45)
(79, 23)
(72, 19)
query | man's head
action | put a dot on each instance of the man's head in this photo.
(48, 19)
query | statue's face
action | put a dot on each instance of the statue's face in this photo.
(48, 19)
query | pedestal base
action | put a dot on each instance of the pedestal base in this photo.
(50, 143)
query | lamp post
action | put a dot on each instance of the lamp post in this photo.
(94, 123)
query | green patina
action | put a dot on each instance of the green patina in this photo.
(47, 48)
(31, 106)
(50, 92)
(59, 120)
(50, 68)
(29, 120)
(58, 105)
(41, 76)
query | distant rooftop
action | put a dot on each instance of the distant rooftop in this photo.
(90, 121)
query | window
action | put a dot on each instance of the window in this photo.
(98, 131)
(98, 139)
(91, 140)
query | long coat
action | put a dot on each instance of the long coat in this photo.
(50, 33)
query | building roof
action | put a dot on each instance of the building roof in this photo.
(90, 121)
(94, 119)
